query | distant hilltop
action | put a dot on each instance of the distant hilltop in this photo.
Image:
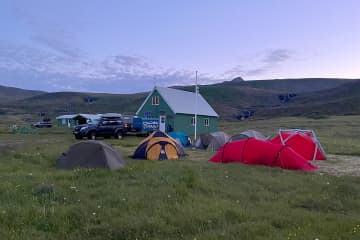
(237, 79)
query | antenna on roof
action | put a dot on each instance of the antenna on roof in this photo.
(196, 104)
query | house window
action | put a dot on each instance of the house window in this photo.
(147, 115)
(206, 122)
(155, 100)
(193, 121)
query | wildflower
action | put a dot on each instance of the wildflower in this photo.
(169, 196)
(98, 206)
(94, 213)
(72, 187)
(30, 174)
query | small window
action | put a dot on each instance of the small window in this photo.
(193, 121)
(206, 122)
(147, 114)
(155, 100)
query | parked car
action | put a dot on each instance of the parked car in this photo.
(108, 126)
(42, 124)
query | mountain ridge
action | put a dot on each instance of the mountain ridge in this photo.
(227, 98)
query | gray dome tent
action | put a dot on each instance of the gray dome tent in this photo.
(211, 141)
(90, 154)
(247, 134)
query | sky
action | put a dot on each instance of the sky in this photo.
(127, 46)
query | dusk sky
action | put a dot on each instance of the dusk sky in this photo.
(128, 46)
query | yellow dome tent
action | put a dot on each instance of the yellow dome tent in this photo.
(158, 146)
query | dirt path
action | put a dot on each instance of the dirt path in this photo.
(340, 165)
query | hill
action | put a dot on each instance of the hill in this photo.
(8, 94)
(296, 85)
(314, 96)
(342, 100)
(75, 102)
(230, 98)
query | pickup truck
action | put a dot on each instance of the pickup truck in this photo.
(106, 127)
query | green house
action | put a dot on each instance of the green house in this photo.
(176, 111)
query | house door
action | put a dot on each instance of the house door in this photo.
(162, 124)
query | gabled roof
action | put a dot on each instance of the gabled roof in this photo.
(183, 102)
(67, 116)
(84, 115)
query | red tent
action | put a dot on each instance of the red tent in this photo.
(304, 142)
(259, 152)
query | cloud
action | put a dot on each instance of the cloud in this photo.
(277, 56)
(124, 83)
(269, 60)
(58, 45)
(235, 71)
(47, 33)
(130, 61)
(41, 69)
(65, 69)
(119, 64)
(257, 71)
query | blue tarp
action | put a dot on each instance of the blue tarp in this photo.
(183, 138)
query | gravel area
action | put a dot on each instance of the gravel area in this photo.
(340, 165)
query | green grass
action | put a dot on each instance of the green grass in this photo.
(186, 199)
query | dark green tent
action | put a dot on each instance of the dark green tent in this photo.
(90, 154)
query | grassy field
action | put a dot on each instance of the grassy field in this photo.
(186, 199)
